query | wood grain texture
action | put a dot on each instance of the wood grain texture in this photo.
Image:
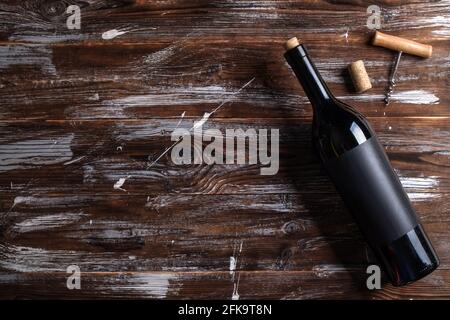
(82, 109)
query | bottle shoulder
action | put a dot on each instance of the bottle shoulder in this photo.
(338, 114)
(338, 128)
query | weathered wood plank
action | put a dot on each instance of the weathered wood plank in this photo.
(217, 285)
(156, 20)
(83, 157)
(153, 73)
(138, 233)
(148, 81)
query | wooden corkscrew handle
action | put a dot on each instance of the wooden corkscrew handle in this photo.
(402, 44)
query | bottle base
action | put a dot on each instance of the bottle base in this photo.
(409, 258)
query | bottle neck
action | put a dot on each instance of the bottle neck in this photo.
(310, 79)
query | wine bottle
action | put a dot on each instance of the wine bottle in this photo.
(361, 172)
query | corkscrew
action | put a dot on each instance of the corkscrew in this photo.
(392, 81)
(400, 45)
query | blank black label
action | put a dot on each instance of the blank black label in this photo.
(373, 193)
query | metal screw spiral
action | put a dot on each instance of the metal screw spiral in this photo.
(392, 82)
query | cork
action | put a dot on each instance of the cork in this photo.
(359, 76)
(402, 44)
(292, 43)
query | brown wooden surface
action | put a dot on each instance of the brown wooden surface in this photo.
(78, 112)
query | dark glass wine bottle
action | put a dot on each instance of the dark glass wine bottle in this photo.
(361, 172)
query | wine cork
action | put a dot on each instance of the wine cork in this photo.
(291, 43)
(359, 76)
(402, 44)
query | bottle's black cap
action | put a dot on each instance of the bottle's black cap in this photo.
(408, 258)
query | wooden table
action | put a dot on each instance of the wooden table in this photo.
(82, 109)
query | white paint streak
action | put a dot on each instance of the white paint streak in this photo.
(408, 97)
(47, 222)
(28, 259)
(181, 96)
(181, 119)
(251, 16)
(152, 285)
(74, 160)
(442, 32)
(422, 196)
(237, 250)
(203, 120)
(419, 182)
(111, 34)
(118, 185)
(162, 202)
(40, 201)
(178, 96)
(160, 56)
(345, 35)
(233, 262)
(416, 97)
(43, 37)
(173, 96)
(235, 294)
(95, 97)
(27, 55)
(326, 270)
(31, 259)
(437, 21)
(34, 153)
